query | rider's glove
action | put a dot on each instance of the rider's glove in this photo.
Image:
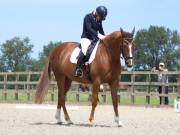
(100, 36)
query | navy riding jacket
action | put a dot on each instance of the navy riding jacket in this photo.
(91, 27)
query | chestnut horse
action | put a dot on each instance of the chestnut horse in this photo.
(105, 68)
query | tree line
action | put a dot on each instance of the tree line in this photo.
(157, 44)
(15, 55)
(153, 45)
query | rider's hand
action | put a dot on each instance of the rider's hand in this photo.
(100, 36)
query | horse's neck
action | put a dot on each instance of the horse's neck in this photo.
(114, 49)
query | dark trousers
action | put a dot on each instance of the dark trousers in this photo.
(166, 92)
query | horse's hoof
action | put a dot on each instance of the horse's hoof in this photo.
(91, 122)
(69, 122)
(119, 123)
(59, 122)
(58, 119)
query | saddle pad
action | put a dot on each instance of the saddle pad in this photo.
(76, 51)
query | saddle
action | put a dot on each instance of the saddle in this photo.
(90, 55)
(89, 50)
(86, 68)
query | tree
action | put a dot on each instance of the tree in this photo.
(16, 54)
(157, 44)
(35, 65)
(38, 65)
(1, 64)
(47, 49)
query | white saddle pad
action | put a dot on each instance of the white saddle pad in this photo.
(76, 51)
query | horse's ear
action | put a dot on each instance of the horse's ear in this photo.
(133, 31)
(121, 30)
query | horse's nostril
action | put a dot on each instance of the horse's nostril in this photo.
(129, 63)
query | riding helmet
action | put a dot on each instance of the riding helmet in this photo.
(102, 12)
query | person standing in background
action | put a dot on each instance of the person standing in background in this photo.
(162, 78)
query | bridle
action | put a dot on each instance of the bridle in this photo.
(128, 43)
(125, 39)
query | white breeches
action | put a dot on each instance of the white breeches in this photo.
(85, 42)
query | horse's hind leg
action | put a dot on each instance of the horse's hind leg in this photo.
(66, 88)
(63, 86)
(60, 84)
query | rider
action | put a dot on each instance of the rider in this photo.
(92, 32)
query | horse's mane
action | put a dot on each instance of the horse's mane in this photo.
(113, 35)
(118, 34)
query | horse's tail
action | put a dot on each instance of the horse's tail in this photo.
(42, 87)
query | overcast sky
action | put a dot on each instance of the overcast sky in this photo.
(61, 20)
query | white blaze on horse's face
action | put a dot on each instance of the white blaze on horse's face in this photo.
(128, 53)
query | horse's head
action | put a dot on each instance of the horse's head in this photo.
(127, 46)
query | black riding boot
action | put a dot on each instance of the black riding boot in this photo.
(80, 62)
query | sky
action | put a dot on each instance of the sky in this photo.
(61, 20)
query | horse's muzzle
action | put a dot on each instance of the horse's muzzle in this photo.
(129, 63)
(129, 66)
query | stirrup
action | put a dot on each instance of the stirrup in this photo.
(78, 72)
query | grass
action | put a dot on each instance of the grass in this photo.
(83, 98)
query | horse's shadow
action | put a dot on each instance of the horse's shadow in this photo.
(74, 124)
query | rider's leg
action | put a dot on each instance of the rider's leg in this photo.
(91, 48)
(80, 62)
(81, 58)
(85, 42)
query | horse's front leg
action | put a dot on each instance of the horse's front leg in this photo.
(94, 99)
(114, 87)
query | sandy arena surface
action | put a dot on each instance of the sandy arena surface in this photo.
(136, 120)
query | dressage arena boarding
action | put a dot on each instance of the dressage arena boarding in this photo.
(18, 114)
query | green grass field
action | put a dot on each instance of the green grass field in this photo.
(71, 98)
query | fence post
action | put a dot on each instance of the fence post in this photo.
(5, 86)
(178, 87)
(16, 86)
(132, 88)
(77, 96)
(52, 93)
(28, 86)
(148, 79)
